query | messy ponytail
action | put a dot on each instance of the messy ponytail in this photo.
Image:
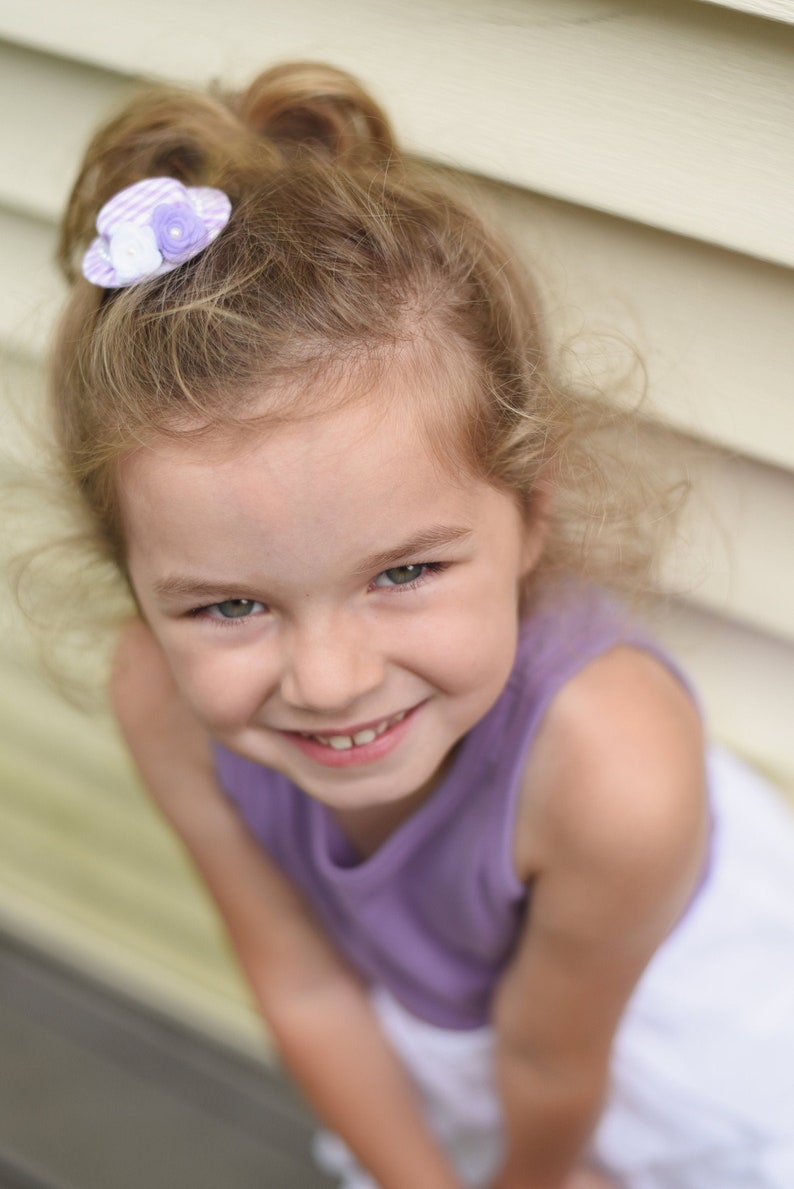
(221, 139)
(306, 105)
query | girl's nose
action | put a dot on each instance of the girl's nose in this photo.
(330, 665)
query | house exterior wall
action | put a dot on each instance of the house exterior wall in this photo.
(640, 153)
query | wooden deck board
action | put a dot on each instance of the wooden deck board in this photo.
(97, 1092)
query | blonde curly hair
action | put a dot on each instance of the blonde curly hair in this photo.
(340, 253)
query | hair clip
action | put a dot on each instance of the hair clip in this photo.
(152, 227)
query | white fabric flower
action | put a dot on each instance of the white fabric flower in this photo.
(152, 227)
(133, 252)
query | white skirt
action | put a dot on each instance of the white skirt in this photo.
(702, 1073)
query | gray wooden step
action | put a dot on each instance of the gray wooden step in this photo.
(97, 1092)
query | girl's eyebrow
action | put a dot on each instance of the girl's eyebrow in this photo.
(435, 537)
(176, 586)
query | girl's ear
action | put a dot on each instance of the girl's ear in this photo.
(536, 527)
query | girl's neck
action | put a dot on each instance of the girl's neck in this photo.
(366, 828)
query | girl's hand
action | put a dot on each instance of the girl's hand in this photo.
(586, 1178)
(581, 1178)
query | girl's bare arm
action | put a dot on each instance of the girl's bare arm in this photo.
(317, 1010)
(612, 834)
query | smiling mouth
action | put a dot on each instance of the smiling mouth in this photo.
(360, 738)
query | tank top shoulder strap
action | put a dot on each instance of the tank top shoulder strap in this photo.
(563, 635)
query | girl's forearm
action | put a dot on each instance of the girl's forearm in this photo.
(333, 1046)
(549, 1117)
(321, 1019)
(319, 1013)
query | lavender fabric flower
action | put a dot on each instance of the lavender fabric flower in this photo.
(179, 231)
(152, 227)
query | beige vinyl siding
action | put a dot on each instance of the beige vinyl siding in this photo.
(89, 871)
(745, 679)
(674, 113)
(776, 10)
(641, 155)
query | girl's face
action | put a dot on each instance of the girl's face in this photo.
(332, 602)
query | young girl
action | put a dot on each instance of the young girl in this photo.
(510, 923)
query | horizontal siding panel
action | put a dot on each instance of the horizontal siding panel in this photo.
(83, 745)
(31, 292)
(746, 681)
(62, 103)
(671, 113)
(776, 10)
(733, 554)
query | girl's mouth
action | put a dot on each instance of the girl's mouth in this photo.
(366, 735)
(361, 746)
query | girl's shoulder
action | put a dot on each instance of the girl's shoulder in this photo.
(614, 783)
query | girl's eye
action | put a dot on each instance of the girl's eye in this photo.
(406, 575)
(234, 609)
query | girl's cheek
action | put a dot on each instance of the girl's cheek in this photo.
(222, 692)
(477, 646)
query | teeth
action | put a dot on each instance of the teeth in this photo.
(341, 742)
(368, 735)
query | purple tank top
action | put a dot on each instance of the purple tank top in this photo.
(434, 913)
